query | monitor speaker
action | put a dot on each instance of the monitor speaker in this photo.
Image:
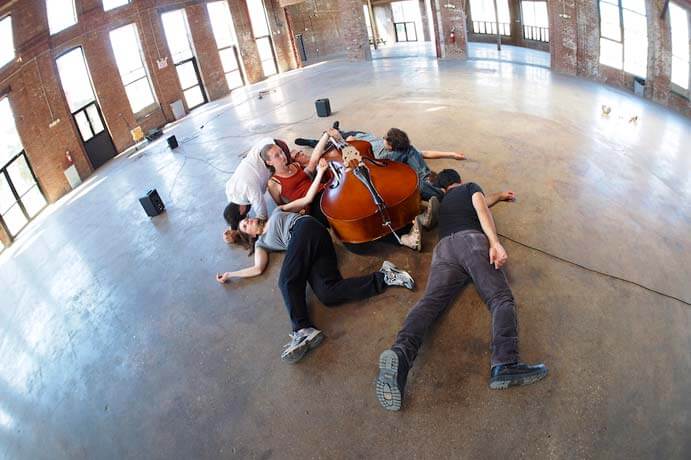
(323, 107)
(172, 142)
(152, 203)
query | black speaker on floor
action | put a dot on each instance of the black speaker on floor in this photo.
(152, 203)
(172, 142)
(323, 107)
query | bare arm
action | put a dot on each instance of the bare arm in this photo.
(496, 197)
(435, 154)
(317, 154)
(497, 253)
(275, 191)
(300, 203)
(261, 259)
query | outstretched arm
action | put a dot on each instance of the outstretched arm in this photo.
(317, 154)
(296, 205)
(435, 154)
(496, 197)
(261, 259)
(497, 253)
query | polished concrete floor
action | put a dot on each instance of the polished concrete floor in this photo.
(118, 343)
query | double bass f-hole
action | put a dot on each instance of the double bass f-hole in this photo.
(362, 173)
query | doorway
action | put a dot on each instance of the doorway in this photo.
(86, 113)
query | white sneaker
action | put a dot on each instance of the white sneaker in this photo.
(301, 342)
(396, 277)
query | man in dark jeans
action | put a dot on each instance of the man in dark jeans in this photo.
(468, 249)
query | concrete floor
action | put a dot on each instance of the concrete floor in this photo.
(119, 343)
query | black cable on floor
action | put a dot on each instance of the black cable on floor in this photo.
(592, 270)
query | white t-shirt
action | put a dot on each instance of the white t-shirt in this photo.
(248, 183)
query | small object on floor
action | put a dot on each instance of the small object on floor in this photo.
(606, 110)
(633, 119)
(323, 107)
(301, 342)
(510, 375)
(152, 203)
(172, 142)
(394, 276)
(153, 134)
(263, 93)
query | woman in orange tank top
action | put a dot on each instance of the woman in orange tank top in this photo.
(289, 182)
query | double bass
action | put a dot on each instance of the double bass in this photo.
(367, 198)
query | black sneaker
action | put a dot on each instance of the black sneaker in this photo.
(393, 373)
(306, 142)
(511, 375)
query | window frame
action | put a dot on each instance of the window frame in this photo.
(75, 15)
(622, 35)
(127, 2)
(12, 44)
(146, 74)
(233, 47)
(674, 87)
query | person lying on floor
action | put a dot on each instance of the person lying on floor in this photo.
(396, 146)
(290, 180)
(246, 187)
(468, 250)
(310, 258)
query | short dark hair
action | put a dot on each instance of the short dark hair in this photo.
(397, 139)
(233, 216)
(448, 177)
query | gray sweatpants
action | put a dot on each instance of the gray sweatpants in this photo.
(459, 258)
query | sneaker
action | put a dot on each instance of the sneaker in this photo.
(413, 239)
(393, 373)
(510, 375)
(306, 142)
(301, 342)
(429, 218)
(396, 277)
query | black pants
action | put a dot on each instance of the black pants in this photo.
(311, 258)
(316, 210)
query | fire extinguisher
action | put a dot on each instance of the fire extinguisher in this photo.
(452, 36)
(68, 158)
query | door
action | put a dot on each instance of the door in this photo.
(86, 113)
(21, 198)
(181, 48)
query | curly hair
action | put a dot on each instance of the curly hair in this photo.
(397, 139)
(240, 238)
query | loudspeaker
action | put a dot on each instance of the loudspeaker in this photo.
(323, 107)
(152, 203)
(172, 142)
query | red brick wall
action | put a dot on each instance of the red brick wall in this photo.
(320, 26)
(33, 94)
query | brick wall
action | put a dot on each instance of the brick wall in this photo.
(36, 96)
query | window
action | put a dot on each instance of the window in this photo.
(6, 41)
(679, 19)
(535, 22)
(75, 80)
(226, 42)
(61, 15)
(405, 16)
(485, 19)
(262, 36)
(112, 4)
(129, 58)
(179, 41)
(624, 35)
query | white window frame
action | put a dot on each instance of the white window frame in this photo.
(622, 36)
(10, 57)
(142, 59)
(676, 88)
(232, 47)
(65, 26)
(115, 6)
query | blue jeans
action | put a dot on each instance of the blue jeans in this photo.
(459, 258)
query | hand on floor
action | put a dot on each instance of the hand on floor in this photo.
(508, 196)
(223, 277)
